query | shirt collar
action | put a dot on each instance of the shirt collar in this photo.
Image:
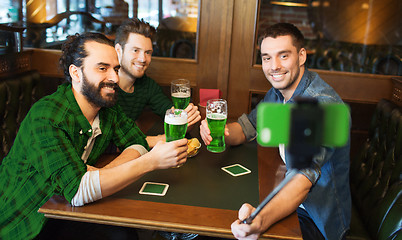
(85, 127)
(96, 126)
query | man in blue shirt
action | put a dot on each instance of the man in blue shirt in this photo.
(320, 195)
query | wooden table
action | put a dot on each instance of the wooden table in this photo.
(201, 197)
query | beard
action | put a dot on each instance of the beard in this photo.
(125, 67)
(93, 93)
(292, 80)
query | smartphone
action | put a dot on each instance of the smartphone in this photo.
(303, 125)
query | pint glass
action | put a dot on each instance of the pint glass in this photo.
(216, 117)
(181, 92)
(175, 124)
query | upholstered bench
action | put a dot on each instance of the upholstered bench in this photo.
(376, 178)
(18, 92)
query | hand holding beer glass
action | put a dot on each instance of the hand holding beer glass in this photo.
(181, 93)
(175, 125)
(216, 117)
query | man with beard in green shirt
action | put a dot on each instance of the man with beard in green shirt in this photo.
(64, 134)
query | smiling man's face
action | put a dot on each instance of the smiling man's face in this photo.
(136, 55)
(99, 74)
(282, 64)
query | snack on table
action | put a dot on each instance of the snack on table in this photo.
(193, 146)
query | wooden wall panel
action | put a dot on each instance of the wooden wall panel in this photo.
(46, 61)
(215, 33)
(241, 57)
(164, 70)
(358, 87)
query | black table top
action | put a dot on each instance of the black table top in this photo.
(201, 181)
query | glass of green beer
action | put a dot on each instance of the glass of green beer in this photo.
(181, 93)
(175, 124)
(216, 117)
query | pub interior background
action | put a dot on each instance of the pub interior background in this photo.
(355, 46)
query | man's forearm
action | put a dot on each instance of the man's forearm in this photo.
(153, 140)
(90, 187)
(125, 156)
(116, 178)
(236, 135)
(286, 201)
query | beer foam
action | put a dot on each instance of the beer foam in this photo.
(216, 116)
(170, 119)
(181, 94)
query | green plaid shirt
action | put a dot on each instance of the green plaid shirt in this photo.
(45, 158)
(146, 93)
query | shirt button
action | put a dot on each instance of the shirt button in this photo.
(81, 131)
(90, 130)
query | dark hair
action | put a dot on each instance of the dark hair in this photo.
(73, 50)
(133, 25)
(285, 29)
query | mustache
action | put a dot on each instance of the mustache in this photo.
(108, 84)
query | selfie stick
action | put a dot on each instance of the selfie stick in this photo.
(287, 178)
(305, 139)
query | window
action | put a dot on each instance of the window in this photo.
(51, 21)
(176, 23)
(9, 11)
(341, 35)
